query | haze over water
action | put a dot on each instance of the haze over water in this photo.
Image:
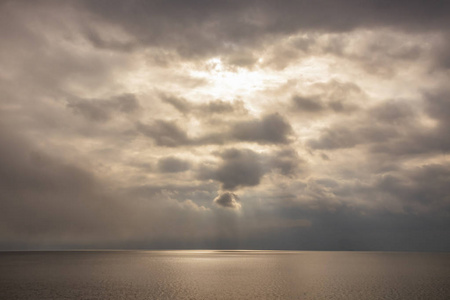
(224, 275)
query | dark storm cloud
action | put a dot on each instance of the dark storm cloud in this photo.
(103, 109)
(173, 165)
(228, 200)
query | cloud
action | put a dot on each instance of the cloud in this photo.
(246, 168)
(165, 133)
(181, 104)
(287, 162)
(330, 119)
(173, 165)
(205, 29)
(329, 97)
(228, 200)
(270, 129)
(205, 110)
(239, 168)
(45, 198)
(101, 110)
(307, 104)
(386, 122)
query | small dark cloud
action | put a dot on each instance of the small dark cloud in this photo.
(101, 110)
(270, 129)
(228, 200)
(173, 165)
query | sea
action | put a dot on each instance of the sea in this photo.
(209, 274)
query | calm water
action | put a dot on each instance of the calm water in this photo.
(224, 275)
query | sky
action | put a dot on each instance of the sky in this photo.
(307, 125)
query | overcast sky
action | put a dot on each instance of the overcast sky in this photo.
(310, 125)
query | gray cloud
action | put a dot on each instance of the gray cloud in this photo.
(270, 129)
(246, 168)
(331, 96)
(348, 137)
(181, 104)
(173, 165)
(78, 148)
(103, 109)
(202, 28)
(389, 121)
(45, 198)
(165, 133)
(421, 189)
(239, 168)
(287, 162)
(228, 200)
(205, 110)
(307, 104)
(417, 139)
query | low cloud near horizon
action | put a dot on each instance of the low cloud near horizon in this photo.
(320, 125)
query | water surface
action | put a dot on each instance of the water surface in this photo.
(223, 275)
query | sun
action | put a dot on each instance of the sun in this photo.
(227, 82)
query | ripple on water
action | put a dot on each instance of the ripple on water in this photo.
(224, 275)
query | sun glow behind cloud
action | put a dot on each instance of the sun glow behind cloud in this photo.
(229, 82)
